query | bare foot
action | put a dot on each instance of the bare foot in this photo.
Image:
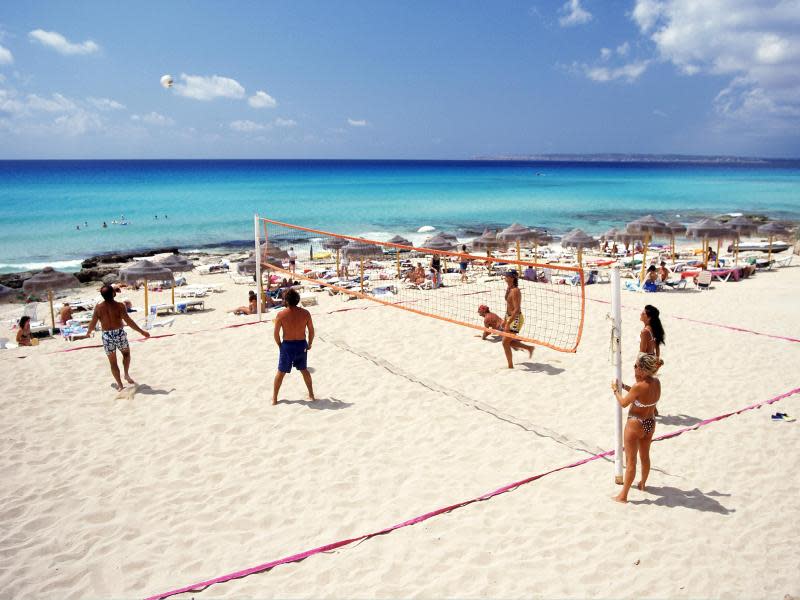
(510, 366)
(128, 379)
(274, 401)
(619, 499)
(640, 485)
(530, 352)
(311, 397)
(118, 386)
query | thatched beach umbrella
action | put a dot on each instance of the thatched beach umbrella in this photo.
(773, 230)
(449, 236)
(486, 241)
(742, 226)
(675, 228)
(707, 229)
(177, 264)
(517, 233)
(439, 242)
(145, 270)
(49, 280)
(360, 249)
(646, 226)
(335, 244)
(398, 239)
(577, 238)
(540, 238)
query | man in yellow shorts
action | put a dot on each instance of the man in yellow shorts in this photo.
(514, 319)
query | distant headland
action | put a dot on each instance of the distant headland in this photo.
(636, 158)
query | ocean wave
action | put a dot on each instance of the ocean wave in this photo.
(59, 265)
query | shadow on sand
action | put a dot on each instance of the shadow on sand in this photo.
(320, 403)
(541, 368)
(673, 498)
(677, 420)
(150, 391)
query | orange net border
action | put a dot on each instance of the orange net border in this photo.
(562, 328)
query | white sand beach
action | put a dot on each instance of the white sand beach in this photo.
(193, 474)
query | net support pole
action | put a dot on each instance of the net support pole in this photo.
(616, 340)
(258, 265)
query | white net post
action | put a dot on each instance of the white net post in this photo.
(616, 341)
(258, 264)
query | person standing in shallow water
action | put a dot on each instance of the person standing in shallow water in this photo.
(514, 319)
(293, 348)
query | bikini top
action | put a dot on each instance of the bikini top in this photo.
(640, 405)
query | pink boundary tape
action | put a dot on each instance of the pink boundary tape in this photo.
(198, 587)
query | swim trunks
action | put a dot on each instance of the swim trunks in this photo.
(115, 339)
(293, 354)
(515, 325)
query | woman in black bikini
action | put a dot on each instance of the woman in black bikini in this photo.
(642, 397)
(24, 332)
(652, 337)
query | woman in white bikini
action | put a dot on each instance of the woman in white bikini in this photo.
(642, 397)
(652, 337)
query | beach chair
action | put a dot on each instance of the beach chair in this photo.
(704, 280)
(72, 329)
(30, 310)
(151, 322)
(784, 262)
(242, 279)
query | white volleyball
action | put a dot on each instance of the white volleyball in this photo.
(167, 81)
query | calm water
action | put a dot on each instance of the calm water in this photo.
(213, 202)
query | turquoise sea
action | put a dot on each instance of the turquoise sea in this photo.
(210, 203)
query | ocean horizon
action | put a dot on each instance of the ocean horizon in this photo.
(52, 211)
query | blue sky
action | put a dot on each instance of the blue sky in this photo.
(379, 79)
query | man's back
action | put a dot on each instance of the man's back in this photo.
(110, 314)
(293, 320)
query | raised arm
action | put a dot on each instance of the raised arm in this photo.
(627, 400)
(310, 326)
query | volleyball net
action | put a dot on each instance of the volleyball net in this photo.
(428, 281)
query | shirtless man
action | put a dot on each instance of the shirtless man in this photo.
(111, 315)
(514, 319)
(66, 313)
(490, 320)
(293, 349)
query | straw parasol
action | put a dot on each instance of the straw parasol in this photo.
(449, 236)
(399, 239)
(540, 238)
(360, 249)
(707, 229)
(177, 264)
(335, 244)
(517, 233)
(7, 294)
(675, 228)
(647, 226)
(438, 242)
(49, 280)
(742, 226)
(577, 238)
(773, 230)
(485, 242)
(144, 270)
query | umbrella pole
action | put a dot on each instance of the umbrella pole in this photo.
(337, 262)
(146, 312)
(716, 260)
(173, 291)
(705, 253)
(519, 256)
(736, 252)
(535, 250)
(362, 274)
(644, 256)
(398, 262)
(672, 243)
(580, 258)
(52, 312)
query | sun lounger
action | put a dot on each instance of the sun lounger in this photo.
(223, 267)
(157, 309)
(704, 280)
(151, 322)
(242, 279)
(190, 305)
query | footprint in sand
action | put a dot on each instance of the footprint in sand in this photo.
(127, 393)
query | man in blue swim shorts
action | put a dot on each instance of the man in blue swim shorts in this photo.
(294, 321)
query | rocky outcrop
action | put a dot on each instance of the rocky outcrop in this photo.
(123, 257)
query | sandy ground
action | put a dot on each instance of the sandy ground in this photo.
(193, 474)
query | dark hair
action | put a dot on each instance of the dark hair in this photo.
(514, 275)
(107, 292)
(464, 247)
(655, 323)
(651, 268)
(292, 297)
(22, 320)
(251, 294)
(663, 263)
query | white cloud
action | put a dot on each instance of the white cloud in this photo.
(6, 58)
(623, 49)
(262, 99)
(77, 123)
(56, 103)
(153, 118)
(9, 103)
(605, 53)
(285, 122)
(56, 41)
(246, 126)
(756, 44)
(202, 87)
(574, 14)
(629, 72)
(659, 113)
(357, 122)
(105, 103)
